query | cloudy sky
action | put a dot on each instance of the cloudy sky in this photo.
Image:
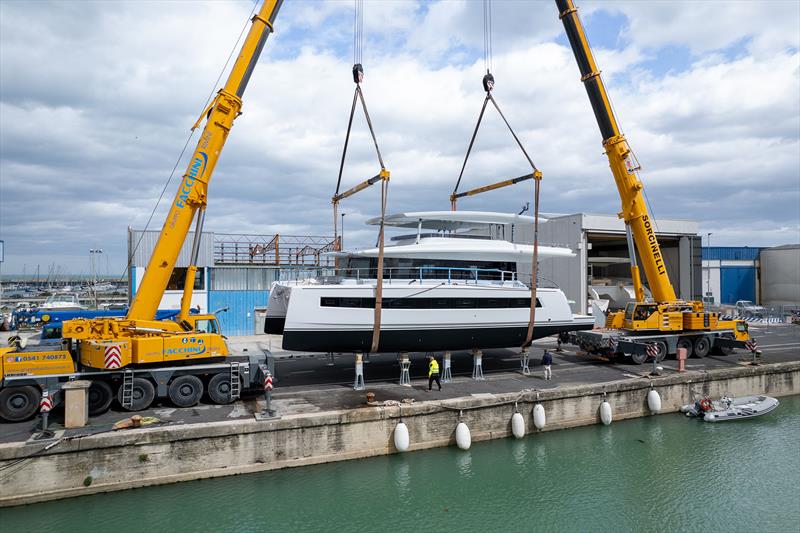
(97, 98)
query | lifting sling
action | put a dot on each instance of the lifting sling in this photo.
(536, 175)
(382, 176)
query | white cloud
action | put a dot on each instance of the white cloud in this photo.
(96, 100)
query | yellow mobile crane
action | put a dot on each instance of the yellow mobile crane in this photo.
(666, 323)
(138, 355)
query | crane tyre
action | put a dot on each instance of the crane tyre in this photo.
(701, 346)
(19, 403)
(100, 397)
(185, 391)
(722, 350)
(143, 394)
(638, 358)
(219, 389)
(686, 342)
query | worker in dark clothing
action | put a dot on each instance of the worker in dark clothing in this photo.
(547, 361)
(433, 373)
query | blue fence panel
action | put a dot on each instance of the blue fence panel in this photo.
(737, 283)
(239, 319)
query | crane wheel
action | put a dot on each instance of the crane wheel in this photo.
(143, 394)
(185, 391)
(686, 342)
(19, 403)
(722, 350)
(219, 389)
(100, 397)
(701, 347)
(638, 358)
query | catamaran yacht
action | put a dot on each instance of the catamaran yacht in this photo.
(450, 289)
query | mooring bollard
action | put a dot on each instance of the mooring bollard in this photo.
(680, 355)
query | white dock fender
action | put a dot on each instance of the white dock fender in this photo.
(517, 425)
(401, 438)
(463, 437)
(606, 413)
(539, 417)
(654, 401)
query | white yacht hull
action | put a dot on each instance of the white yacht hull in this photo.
(427, 316)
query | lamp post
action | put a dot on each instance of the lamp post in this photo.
(708, 266)
(92, 253)
(342, 238)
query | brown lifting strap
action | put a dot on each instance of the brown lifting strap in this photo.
(535, 263)
(383, 177)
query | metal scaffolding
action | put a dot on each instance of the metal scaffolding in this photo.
(272, 250)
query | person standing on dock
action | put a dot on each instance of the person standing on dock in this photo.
(433, 373)
(547, 362)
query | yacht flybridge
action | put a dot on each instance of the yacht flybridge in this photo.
(451, 289)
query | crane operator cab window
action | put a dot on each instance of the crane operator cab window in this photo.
(206, 325)
(642, 312)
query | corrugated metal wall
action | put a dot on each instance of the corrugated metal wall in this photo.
(242, 278)
(142, 252)
(730, 253)
(780, 275)
(241, 290)
(239, 319)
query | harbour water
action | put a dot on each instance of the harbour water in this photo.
(662, 473)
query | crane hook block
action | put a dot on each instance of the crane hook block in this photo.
(488, 82)
(358, 73)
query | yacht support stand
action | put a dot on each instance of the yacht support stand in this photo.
(405, 366)
(477, 365)
(359, 383)
(524, 358)
(447, 373)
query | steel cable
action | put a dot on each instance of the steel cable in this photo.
(186, 144)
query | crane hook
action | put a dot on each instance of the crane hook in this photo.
(488, 82)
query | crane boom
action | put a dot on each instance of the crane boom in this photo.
(638, 222)
(191, 197)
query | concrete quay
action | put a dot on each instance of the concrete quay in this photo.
(333, 422)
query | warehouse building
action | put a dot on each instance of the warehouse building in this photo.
(765, 276)
(602, 264)
(234, 272)
(730, 274)
(780, 276)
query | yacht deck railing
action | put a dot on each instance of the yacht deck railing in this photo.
(445, 275)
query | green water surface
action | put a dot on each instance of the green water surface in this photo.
(662, 473)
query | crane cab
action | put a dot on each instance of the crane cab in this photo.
(648, 316)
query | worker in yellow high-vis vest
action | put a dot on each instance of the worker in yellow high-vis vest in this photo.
(433, 373)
